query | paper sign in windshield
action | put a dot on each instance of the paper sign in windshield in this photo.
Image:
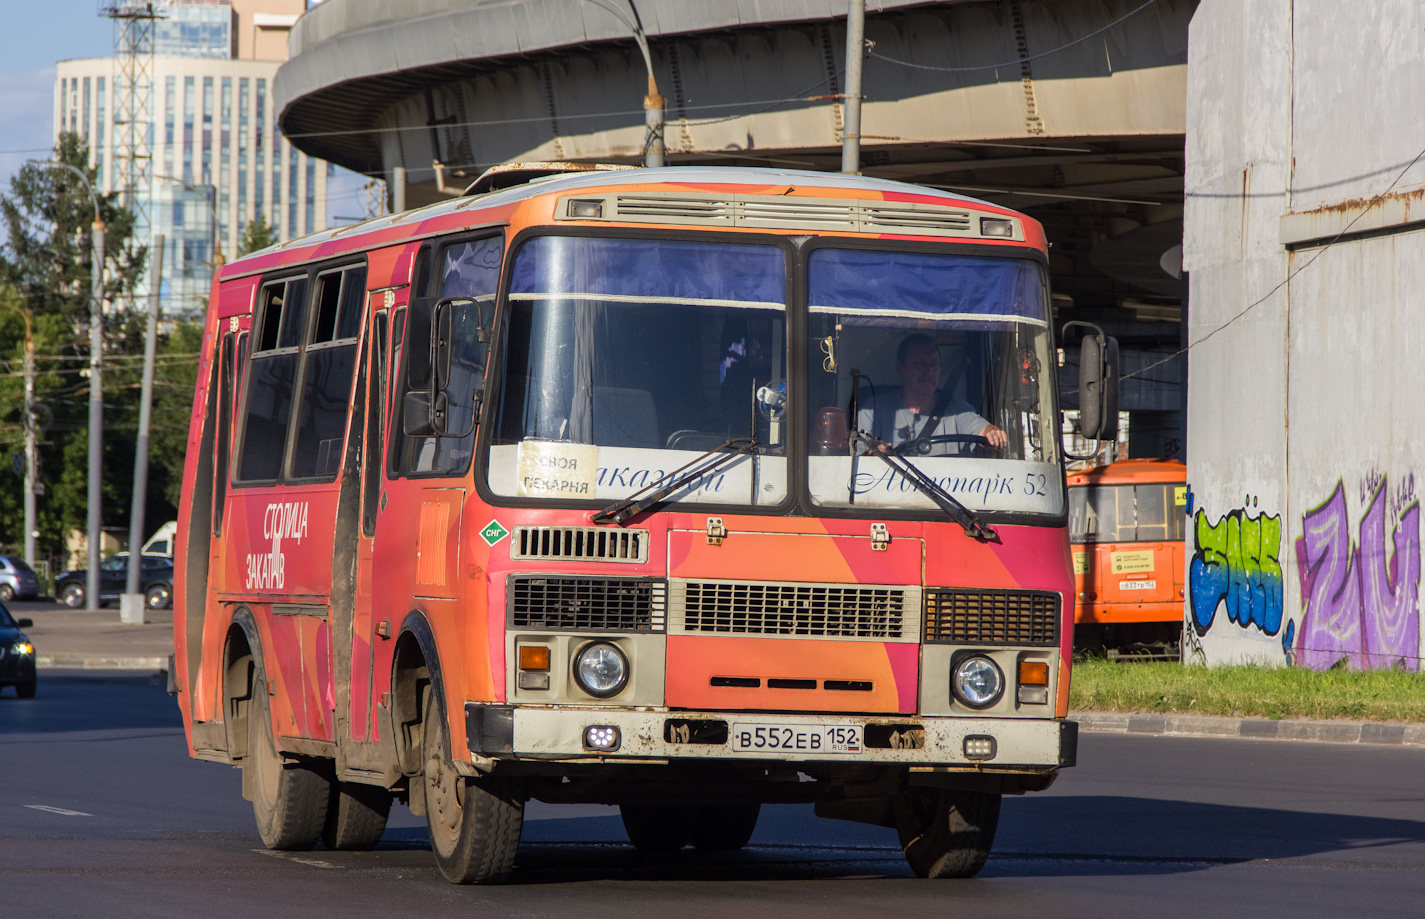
(556, 470)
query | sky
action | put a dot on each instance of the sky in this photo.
(34, 36)
(37, 34)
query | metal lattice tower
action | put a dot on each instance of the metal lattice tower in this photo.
(133, 104)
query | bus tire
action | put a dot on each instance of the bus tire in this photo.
(658, 827)
(289, 800)
(945, 833)
(726, 826)
(474, 825)
(356, 816)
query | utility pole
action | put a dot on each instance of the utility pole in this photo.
(654, 149)
(855, 54)
(96, 413)
(30, 440)
(131, 605)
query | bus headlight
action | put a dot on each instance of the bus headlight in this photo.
(977, 682)
(601, 669)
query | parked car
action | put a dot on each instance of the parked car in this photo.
(17, 655)
(155, 581)
(17, 579)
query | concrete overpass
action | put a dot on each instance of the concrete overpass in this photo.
(1033, 105)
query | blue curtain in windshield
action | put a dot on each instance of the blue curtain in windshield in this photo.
(887, 288)
(648, 270)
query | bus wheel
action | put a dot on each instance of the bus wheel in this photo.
(474, 824)
(944, 833)
(289, 800)
(356, 816)
(727, 826)
(658, 827)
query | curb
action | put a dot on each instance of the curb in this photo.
(83, 662)
(1341, 732)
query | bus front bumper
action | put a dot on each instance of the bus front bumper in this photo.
(592, 734)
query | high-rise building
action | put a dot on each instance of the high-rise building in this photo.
(218, 160)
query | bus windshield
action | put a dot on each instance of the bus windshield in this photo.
(944, 359)
(625, 359)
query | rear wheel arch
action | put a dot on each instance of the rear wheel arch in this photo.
(242, 664)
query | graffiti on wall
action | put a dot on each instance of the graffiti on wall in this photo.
(1236, 566)
(1360, 599)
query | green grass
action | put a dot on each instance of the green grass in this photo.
(1248, 692)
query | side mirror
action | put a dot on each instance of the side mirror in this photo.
(1098, 387)
(25, 623)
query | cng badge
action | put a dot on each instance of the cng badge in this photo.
(493, 533)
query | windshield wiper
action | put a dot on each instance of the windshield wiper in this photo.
(711, 461)
(947, 502)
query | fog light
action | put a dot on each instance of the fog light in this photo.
(586, 209)
(977, 682)
(979, 746)
(534, 681)
(992, 226)
(601, 669)
(604, 738)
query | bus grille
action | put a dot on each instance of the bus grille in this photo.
(812, 610)
(599, 544)
(992, 617)
(587, 604)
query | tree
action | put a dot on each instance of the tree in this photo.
(258, 234)
(45, 274)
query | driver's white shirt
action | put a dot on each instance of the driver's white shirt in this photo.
(958, 418)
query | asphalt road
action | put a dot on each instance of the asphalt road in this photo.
(103, 813)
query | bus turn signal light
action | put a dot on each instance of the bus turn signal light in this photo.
(534, 657)
(1033, 673)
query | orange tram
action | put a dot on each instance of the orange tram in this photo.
(1127, 525)
(571, 491)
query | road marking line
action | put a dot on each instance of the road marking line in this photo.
(57, 810)
(312, 862)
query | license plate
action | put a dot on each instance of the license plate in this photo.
(805, 739)
(1137, 585)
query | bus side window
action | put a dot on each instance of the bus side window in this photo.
(325, 393)
(226, 379)
(375, 426)
(275, 359)
(397, 389)
(469, 270)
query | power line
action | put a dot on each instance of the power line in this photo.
(1288, 279)
(1017, 61)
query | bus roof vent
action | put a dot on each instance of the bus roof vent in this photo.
(939, 221)
(660, 208)
(798, 212)
(580, 544)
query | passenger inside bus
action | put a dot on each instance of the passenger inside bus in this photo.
(922, 409)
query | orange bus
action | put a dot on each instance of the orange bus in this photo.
(1127, 523)
(571, 491)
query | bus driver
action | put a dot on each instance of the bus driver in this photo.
(921, 409)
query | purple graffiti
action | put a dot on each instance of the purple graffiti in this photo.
(1359, 605)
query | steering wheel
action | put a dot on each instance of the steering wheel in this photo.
(921, 446)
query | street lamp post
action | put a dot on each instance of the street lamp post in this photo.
(653, 148)
(96, 385)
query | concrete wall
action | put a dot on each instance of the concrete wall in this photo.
(1304, 422)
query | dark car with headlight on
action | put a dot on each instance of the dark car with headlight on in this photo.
(17, 655)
